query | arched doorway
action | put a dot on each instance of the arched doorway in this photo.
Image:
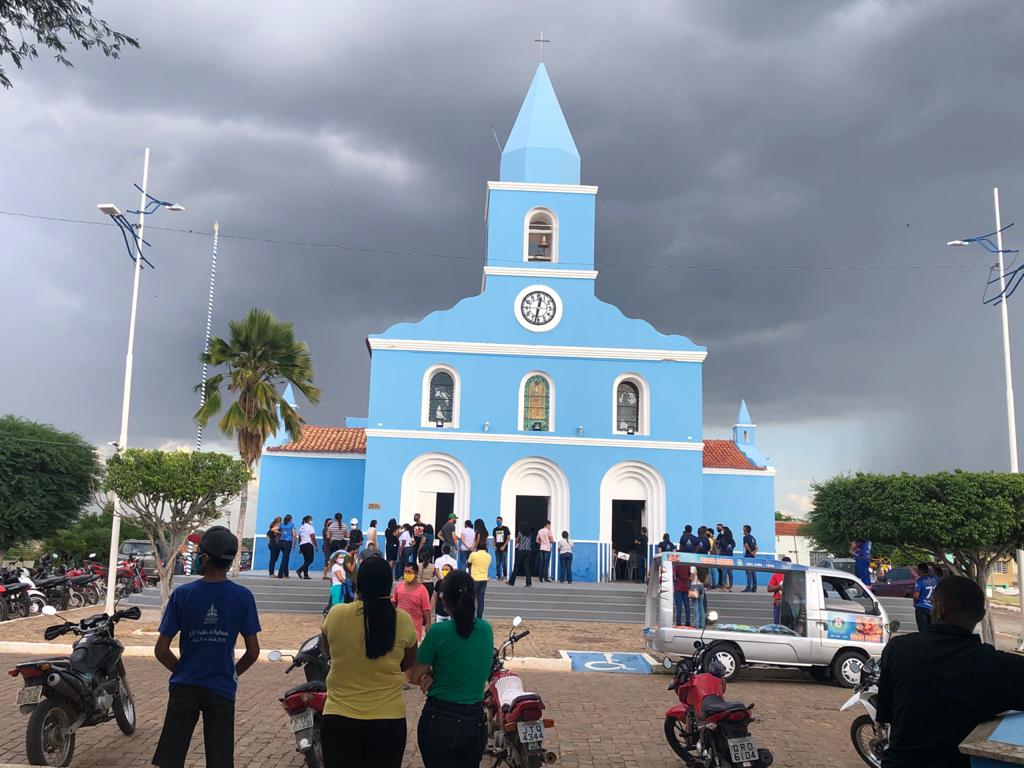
(434, 484)
(632, 495)
(534, 490)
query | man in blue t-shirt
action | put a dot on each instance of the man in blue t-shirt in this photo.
(210, 614)
(750, 550)
(688, 542)
(923, 588)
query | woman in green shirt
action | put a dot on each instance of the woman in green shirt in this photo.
(453, 665)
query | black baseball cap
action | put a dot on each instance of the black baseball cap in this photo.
(219, 542)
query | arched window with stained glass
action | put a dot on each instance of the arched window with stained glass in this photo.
(627, 407)
(537, 404)
(442, 398)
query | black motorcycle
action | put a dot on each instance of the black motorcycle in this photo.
(66, 693)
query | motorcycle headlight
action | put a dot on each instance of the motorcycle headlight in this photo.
(310, 645)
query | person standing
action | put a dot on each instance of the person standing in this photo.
(209, 614)
(750, 551)
(479, 563)
(428, 574)
(273, 543)
(681, 592)
(544, 539)
(417, 537)
(666, 545)
(688, 542)
(446, 559)
(452, 667)
(726, 547)
(640, 552)
(467, 541)
(774, 588)
(565, 559)
(405, 548)
(428, 541)
(701, 544)
(307, 546)
(287, 530)
(371, 534)
(325, 547)
(448, 536)
(923, 589)
(411, 597)
(355, 536)
(391, 543)
(370, 644)
(338, 577)
(697, 596)
(861, 551)
(523, 553)
(501, 535)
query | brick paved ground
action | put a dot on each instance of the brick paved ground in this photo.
(602, 720)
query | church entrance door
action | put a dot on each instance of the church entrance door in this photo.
(627, 518)
(532, 512)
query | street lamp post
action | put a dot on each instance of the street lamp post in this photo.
(146, 202)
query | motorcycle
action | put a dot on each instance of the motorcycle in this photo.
(305, 703)
(870, 738)
(63, 694)
(704, 729)
(515, 727)
(19, 596)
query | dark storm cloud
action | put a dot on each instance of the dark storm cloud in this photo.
(725, 133)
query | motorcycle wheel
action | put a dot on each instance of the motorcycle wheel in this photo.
(34, 606)
(315, 754)
(124, 709)
(868, 743)
(92, 595)
(46, 740)
(675, 734)
(75, 599)
(5, 610)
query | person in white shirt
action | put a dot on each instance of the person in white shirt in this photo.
(544, 538)
(467, 543)
(565, 558)
(338, 578)
(406, 545)
(307, 546)
(445, 559)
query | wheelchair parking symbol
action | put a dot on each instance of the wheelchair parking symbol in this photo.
(596, 661)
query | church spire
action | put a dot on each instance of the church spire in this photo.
(540, 148)
(744, 415)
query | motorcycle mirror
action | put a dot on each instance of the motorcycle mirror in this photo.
(92, 555)
(712, 616)
(666, 663)
(517, 621)
(894, 626)
(132, 613)
(698, 644)
(275, 656)
(49, 610)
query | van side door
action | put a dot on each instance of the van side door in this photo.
(849, 616)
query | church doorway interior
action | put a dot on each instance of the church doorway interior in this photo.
(532, 513)
(627, 518)
(434, 507)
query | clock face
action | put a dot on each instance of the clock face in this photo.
(537, 308)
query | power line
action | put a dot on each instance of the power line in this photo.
(601, 265)
(47, 442)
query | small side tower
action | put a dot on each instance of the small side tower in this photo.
(744, 435)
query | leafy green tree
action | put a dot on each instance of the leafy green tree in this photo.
(169, 494)
(46, 478)
(261, 355)
(91, 534)
(967, 520)
(53, 24)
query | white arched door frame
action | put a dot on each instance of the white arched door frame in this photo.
(634, 480)
(437, 473)
(536, 476)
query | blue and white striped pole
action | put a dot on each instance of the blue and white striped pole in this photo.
(209, 323)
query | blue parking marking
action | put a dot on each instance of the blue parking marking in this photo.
(595, 661)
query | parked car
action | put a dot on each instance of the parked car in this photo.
(847, 564)
(143, 550)
(898, 582)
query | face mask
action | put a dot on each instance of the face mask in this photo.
(446, 570)
(409, 578)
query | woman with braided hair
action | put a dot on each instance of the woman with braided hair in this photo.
(452, 667)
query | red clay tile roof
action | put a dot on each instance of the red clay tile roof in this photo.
(723, 454)
(785, 528)
(326, 440)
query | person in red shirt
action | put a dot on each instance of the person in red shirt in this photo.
(411, 596)
(680, 592)
(775, 590)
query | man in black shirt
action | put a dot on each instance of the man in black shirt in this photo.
(501, 535)
(640, 551)
(937, 685)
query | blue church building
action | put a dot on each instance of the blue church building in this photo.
(533, 400)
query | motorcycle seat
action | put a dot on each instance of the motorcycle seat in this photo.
(85, 578)
(50, 581)
(714, 705)
(510, 691)
(313, 686)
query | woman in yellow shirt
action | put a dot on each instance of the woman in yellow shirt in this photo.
(479, 564)
(370, 645)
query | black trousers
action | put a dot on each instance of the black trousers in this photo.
(275, 550)
(451, 735)
(522, 567)
(307, 551)
(184, 705)
(923, 617)
(362, 743)
(286, 552)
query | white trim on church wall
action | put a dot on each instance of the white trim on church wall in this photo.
(644, 411)
(425, 420)
(434, 473)
(549, 274)
(634, 481)
(559, 308)
(535, 350)
(522, 403)
(535, 476)
(314, 455)
(519, 186)
(766, 472)
(539, 438)
(554, 235)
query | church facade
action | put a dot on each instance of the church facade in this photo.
(533, 400)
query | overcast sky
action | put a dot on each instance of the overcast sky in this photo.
(753, 135)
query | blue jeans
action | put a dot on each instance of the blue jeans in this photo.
(682, 603)
(286, 552)
(565, 567)
(776, 613)
(463, 559)
(698, 606)
(724, 577)
(751, 580)
(545, 565)
(501, 564)
(863, 569)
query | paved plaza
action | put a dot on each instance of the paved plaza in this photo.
(603, 720)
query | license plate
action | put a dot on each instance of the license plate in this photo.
(531, 734)
(30, 695)
(742, 750)
(302, 721)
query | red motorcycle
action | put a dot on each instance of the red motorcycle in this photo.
(305, 703)
(515, 724)
(704, 729)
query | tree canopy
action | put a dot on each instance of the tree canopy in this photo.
(46, 478)
(91, 534)
(54, 24)
(170, 494)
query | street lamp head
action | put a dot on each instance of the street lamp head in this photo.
(958, 243)
(109, 209)
(177, 208)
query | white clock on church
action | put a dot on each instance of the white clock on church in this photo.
(538, 308)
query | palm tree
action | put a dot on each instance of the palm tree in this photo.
(261, 354)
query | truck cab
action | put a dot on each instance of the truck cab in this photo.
(829, 624)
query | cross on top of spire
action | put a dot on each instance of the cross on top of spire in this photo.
(541, 40)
